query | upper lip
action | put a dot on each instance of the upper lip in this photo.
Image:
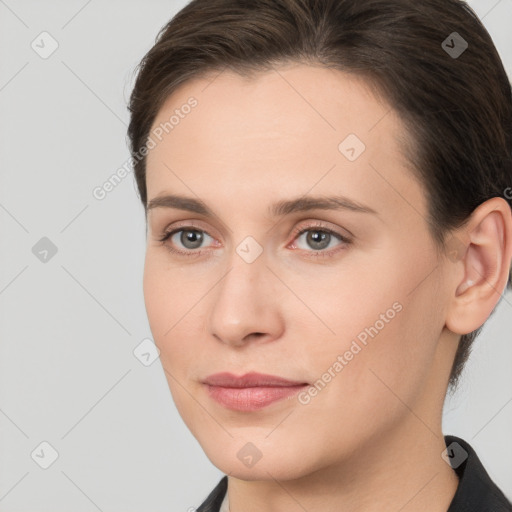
(249, 380)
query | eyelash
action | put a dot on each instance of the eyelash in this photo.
(296, 233)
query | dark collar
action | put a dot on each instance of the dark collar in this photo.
(476, 491)
(214, 500)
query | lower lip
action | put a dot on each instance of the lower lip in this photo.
(251, 399)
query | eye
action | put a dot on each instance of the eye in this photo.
(319, 238)
(188, 237)
(189, 240)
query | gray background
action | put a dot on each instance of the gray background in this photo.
(68, 326)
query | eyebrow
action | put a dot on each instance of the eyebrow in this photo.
(278, 209)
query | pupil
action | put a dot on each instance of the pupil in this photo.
(193, 237)
(318, 237)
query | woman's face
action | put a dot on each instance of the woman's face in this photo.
(351, 310)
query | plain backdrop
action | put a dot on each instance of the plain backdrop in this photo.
(71, 303)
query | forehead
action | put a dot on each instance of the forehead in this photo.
(292, 127)
(293, 100)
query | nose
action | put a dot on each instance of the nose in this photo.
(246, 306)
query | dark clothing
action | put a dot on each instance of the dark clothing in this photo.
(476, 491)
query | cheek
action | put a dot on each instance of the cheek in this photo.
(386, 330)
(169, 294)
(361, 395)
(156, 297)
(166, 309)
(165, 306)
(174, 302)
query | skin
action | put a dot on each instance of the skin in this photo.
(371, 439)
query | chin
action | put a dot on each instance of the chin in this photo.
(273, 469)
(244, 460)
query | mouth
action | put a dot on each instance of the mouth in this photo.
(250, 392)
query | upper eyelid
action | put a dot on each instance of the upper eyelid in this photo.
(296, 219)
(320, 227)
(186, 226)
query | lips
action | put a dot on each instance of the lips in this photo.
(250, 392)
(249, 380)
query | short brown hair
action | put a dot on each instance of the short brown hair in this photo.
(457, 108)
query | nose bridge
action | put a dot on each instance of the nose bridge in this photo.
(245, 299)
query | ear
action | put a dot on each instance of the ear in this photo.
(482, 254)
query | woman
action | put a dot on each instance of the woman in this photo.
(325, 186)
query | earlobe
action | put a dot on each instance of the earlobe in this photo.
(485, 260)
